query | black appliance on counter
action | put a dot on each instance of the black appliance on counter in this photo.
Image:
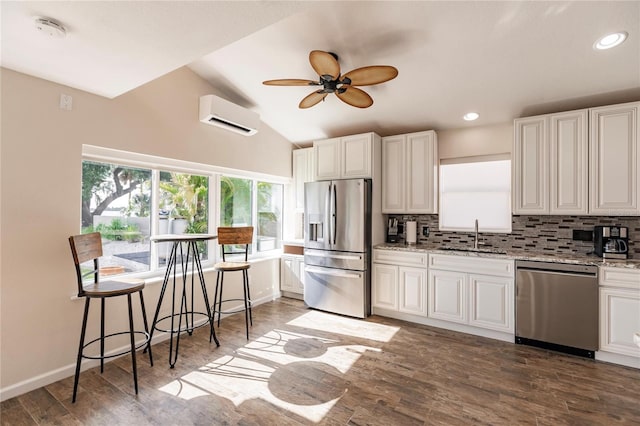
(611, 242)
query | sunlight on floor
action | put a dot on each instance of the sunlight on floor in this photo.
(263, 367)
(347, 326)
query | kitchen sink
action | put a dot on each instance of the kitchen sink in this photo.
(474, 250)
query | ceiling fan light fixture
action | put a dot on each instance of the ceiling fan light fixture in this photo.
(610, 40)
(470, 116)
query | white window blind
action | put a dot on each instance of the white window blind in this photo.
(476, 188)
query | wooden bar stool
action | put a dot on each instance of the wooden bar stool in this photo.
(85, 248)
(229, 238)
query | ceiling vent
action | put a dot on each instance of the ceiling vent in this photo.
(222, 113)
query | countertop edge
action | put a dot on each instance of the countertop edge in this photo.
(515, 255)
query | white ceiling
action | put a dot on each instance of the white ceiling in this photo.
(500, 59)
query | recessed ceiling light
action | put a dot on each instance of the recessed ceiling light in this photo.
(470, 116)
(50, 27)
(610, 40)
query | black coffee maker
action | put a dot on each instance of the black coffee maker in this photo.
(611, 242)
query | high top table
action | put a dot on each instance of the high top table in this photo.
(186, 310)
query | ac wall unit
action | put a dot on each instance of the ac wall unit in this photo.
(222, 113)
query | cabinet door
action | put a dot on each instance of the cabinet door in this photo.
(287, 274)
(568, 147)
(385, 287)
(422, 172)
(614, 159)
(413, 286)
(491, 302)
(326, 154)
(302, 172)
(393, 174)
(356, 156)
(619, 320)
(530, 175)
(447, 297)
(298, 272)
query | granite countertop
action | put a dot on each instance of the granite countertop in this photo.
(580, 259)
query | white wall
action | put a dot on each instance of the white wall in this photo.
(40, 181)
(475, 141)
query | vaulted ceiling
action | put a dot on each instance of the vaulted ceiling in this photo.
(499, 59)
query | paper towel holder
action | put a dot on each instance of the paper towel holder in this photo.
(411, 232)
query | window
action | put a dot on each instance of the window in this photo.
(130, 197)
(237, 209)
(476, 188)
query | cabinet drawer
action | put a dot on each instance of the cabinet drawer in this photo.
(395, 257)
(620, 277)
(475, 265)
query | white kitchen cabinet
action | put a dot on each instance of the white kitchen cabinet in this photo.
(530, 159)
(410, 173)
(447, 295)
(302, 172)
(619, 311)
(326, 159)
(476, 291)
(412, 288)
(385, 287)
(292, 273)
(578, 162)
(550, 164)
(568, 159)
(399, 281)
(491, 302)
(615, 159)
(346, 157)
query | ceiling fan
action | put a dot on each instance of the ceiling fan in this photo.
(328, 69)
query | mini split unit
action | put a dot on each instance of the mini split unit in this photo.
(222, 113)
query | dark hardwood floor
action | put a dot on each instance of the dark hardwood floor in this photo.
(305, 367)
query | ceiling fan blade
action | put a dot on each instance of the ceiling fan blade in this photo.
(367, 76)
(290, 82)
(324, 63)
(355, 97)
(312, 99)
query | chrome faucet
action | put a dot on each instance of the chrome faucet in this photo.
(475, 239)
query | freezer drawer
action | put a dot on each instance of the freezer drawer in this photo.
(336, 259)
(339, 291)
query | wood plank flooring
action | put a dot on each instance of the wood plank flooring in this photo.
(307, 367)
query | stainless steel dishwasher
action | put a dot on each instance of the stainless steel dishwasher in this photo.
(557, 306)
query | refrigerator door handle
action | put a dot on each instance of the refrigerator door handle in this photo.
(332, 273)
(333, 215)
(338, 256)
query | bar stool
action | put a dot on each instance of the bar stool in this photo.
(85, 248)
(229, 238)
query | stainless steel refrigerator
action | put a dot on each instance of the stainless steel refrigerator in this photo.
(337, 246)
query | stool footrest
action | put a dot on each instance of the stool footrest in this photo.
(186, 327)
(123, 352)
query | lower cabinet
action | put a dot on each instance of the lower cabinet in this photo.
(457, 292)
(620, 312)
(483, 301)
(472, 290)
(292, 273)
(400, 281)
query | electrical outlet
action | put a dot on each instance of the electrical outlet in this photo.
(66, 102)
(424, 231)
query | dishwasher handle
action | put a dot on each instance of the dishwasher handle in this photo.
(562, 268)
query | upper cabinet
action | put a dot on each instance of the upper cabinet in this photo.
(577, 162)
(302, 172)
(615, 159)
(347, 157)
(410, 173)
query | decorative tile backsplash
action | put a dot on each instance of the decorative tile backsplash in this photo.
(537, 233)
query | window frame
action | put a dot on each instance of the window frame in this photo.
(214, 173)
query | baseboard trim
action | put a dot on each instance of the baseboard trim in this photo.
(68, 370)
